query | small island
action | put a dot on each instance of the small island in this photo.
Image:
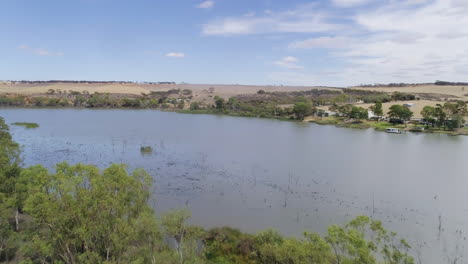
(26, 124)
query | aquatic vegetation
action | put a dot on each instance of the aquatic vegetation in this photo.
(146, 149)
(26, 125)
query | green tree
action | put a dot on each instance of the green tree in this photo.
(233, 104)
(358, 113)
(400, 112)
(377, 109)
(185, 237)
(429, 114)
(345, 110)
(453, 113)
(302, 109)
(87, 216)
(440, 115)
(219, 103)
(195, 106)
(365, 241)
(11, 190)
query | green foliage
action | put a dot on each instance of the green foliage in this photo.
(12, 192)
(448, 115)
(185, 237)
(228, 245)
(219, 103)
(131, 102)
(87, 216)
(26, 125)
(195, 106)
(358, 113)
(11, 100)
(302, 109)
(377, 109)
(429, 114)
(146, 149)
(400, 112)
(397, 96)
(351, 244)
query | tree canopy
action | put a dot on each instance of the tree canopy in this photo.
(400, 112)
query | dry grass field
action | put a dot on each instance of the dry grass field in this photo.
(430, 94)
(224, 90)
(201, 92)
(441, 92)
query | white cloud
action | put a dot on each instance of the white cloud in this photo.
(288, 63)
(402, 41)
(322, 42)
(206, 4)
(388, 41)
(175, 55)
(410, 44)
(305, 19)
(40, 51)
(349, 3)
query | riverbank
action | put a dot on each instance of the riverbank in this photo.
(381, 125)
(332, 120)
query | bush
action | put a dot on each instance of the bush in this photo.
(146, 149)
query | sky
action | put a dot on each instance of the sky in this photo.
(264, 42)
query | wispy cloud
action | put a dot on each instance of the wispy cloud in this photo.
(206, 4)
(175, 55)
(322, 42)
(288, 63)
(387, 41)
(349, 3)
(40, 51)
(304, 19)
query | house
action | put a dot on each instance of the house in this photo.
(325, 113)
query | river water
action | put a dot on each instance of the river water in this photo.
(255, 174)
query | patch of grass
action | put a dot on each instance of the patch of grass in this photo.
(331, 120)
(146, 149)
(26, 125)
(382, 126)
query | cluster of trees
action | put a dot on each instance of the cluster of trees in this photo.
(174, 98)
(80, 214)
(397, 96)
(350, 111)
(449, 115)
(451, 83)
(247, 108)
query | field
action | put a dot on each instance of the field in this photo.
(201, 92)
(205, 93)
(437, 91)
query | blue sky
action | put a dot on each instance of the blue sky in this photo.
(327, 42)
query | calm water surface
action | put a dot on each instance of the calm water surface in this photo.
(253, 173)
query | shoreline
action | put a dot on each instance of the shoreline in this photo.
(336, 121)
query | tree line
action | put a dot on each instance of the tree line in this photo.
(80, 214)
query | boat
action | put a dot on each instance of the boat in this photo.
(393, 130)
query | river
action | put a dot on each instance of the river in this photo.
(257, 173)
